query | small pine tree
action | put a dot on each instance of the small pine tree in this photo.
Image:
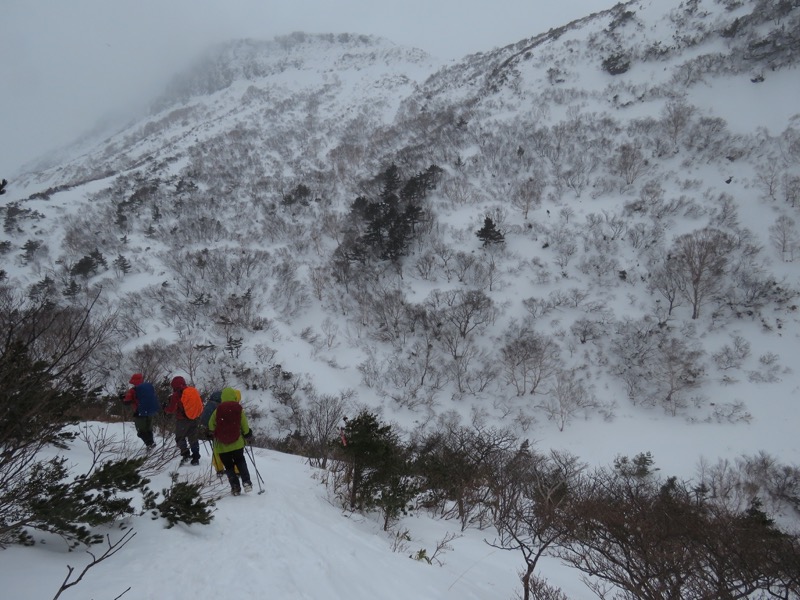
(42, 290)
(72, 290)
(489, 234)
(122, 265)
(48, 501)
(30, 247)
(183, 504)
(98, 258)
(640, 466)
(617, 63)
(85, 267)
(379, 467)
(234, 346)
(391, 182)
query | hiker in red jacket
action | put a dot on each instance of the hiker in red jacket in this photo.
(186, 405)
(142, 398)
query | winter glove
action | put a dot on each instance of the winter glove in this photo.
(209, 434)
(248, 435)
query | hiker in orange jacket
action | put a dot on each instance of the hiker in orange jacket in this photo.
(186, 405)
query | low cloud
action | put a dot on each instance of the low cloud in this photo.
(71, 64)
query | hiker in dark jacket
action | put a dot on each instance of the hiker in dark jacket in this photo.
(208, 410)
(142, 398)
(229, 425)
(186, 427)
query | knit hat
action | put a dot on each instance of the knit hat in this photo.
(136, 379)
(178, 383)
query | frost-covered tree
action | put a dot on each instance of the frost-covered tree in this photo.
(568, 396)
(700, 261)
(783, 235)
(529, 358)
(629, 163)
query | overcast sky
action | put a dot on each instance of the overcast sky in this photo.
(66, 64)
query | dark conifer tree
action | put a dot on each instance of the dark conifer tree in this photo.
(122, 264)
(379, 467)
(391, 182)
(489, 234)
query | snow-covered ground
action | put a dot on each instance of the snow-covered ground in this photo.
(295, 542)
(290, 542)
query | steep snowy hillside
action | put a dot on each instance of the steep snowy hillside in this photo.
(584, 242)
(299, 218)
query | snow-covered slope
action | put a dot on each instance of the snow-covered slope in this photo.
(224, 220)
(228, 226)
(239, 186)
(290, 542)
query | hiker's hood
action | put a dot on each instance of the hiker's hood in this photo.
(229, 395)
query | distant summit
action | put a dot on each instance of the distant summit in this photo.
(253, 60)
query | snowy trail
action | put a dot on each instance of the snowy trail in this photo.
(289, 543)
(292, 543)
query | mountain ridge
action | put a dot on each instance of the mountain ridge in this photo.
(770, 48)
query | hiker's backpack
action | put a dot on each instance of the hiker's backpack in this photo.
(146, 400)
(192, 403)
(229, 422)
(209, 408)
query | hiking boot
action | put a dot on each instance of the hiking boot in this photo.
(185, 458)
(196, 461)
(248, 487)
(236, 490)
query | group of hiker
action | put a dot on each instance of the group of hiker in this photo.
(221, 420)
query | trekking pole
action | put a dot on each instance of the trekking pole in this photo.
(253, 460)
(210, 449)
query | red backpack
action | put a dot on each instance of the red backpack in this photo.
(229, 422)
